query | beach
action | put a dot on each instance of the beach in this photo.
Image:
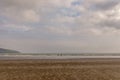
(60, 69)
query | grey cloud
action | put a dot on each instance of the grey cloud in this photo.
(105, 5)
(110, 23)
(20, 3)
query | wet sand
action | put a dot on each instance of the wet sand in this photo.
(63, 69)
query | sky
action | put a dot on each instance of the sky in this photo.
(60, 26)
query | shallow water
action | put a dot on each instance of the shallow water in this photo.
(53, 56)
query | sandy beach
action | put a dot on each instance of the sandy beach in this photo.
(74, 69)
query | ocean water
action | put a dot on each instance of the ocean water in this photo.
(57, 56)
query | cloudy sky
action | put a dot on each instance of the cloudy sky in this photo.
(67, 26)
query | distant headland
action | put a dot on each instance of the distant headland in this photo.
(2, 50)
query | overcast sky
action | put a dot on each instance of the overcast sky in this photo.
(66, 26)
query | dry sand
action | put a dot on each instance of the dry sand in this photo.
(79, 69)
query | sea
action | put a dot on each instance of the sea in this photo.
(56, 56)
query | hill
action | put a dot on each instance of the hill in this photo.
(8, 51)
